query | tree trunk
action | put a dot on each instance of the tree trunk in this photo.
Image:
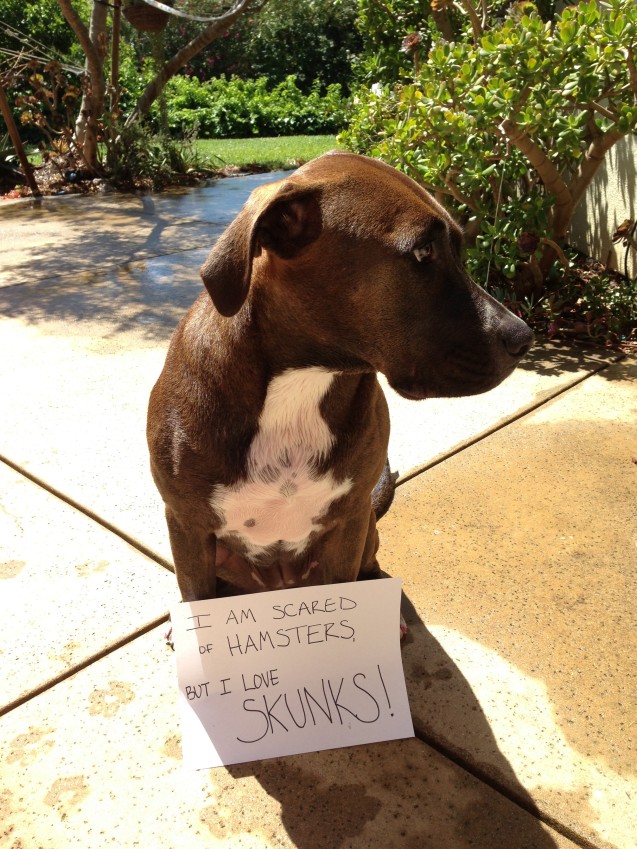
(93, 42)
(441, 19)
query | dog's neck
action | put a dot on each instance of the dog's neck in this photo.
(290, 421)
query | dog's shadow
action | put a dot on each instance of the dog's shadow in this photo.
(404, 793)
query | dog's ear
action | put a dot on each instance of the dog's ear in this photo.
(284, 221)
(290, 222)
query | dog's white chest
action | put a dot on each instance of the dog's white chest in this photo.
(283, 499)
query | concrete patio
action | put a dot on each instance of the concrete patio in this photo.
(514, 530)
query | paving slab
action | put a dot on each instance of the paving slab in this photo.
(519, 557)
(95, 761)
(58, 236)
(69, 590)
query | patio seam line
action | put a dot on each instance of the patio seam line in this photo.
(84, 664)
(500, 787)
(91, 514)
(525, 411)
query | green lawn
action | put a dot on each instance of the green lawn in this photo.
(271, 153)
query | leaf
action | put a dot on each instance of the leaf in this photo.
(618, 26)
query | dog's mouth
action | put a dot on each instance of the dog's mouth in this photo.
(413, 387)
(411, 393)
(471, 383)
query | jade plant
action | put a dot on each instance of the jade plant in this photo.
(507, 125)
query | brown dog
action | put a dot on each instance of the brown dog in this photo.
(267, 428)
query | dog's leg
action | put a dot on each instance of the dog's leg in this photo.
(194, 558)
(370, 567)
(383, 493)
(347, 552)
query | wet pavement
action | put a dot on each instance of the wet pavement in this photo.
(514, 530)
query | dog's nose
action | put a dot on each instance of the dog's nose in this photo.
(517, 339)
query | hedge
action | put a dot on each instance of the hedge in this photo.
(238, 108)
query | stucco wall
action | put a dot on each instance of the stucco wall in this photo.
(610, 200)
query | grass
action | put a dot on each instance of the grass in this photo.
(284, 152)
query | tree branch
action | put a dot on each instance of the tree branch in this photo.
(93, 58)
(454, 191)
(183, 56)
(597, 107)
(548, 173)
(468, 7)
(593, 158)
(632, 70)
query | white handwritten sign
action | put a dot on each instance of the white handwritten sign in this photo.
(291, 671)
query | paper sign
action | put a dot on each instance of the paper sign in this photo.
(290, 671)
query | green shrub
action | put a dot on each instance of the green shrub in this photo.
(591, 303)
(138, 158)
(398, 34)
(383, 28)
(508, 127)
(237, 108)
(313, 39)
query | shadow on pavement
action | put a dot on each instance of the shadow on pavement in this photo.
(413, 801)
(147, 299)
(552, 359)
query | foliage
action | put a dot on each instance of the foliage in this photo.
(311, 35)
(508, 127)
(590, 303)
(36, 49)
(10, 174)
(137, 159)
(236, 108)
(94, 41)
(314, 39)
(41, 21)
(383, 26)
(44, 99)
(134, 75)
(397, 34)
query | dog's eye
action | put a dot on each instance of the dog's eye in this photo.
(425, 253)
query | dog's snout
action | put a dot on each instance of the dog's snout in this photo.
(517, 338)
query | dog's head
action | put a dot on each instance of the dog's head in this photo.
(363, 267)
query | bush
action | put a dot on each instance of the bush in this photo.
(383, 28)
(314, 39)
(397, 34)
(237, 108)
(42, 22)
(508, 126)
(45, 100)
(138, 159)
